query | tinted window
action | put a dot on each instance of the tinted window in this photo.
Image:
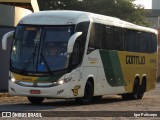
(106, 37)
(109, 36)
(137, 41)
(129, 40)
(82, 27)
(117, 38)
(79, 46)
(96, 36)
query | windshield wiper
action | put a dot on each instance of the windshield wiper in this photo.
(45, 62)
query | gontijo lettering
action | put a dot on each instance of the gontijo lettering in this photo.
(131, 59)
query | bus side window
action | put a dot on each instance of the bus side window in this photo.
(76, 59)
(150, 40)
(82, 27)
(96, 37)
(108, 41)
(153, 43)
(92, 39)
(146, 43)
(138, 39)
(118, 39)
(129, 40)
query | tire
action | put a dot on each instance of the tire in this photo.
(135, 94)
(142, 89)
(35, 100)
(88, 94)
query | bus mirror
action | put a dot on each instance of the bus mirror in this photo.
(72, 40)
(5, 38)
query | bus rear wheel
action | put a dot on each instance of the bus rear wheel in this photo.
(135, 94)
(88, 94)
(35, 100)
(142, 89)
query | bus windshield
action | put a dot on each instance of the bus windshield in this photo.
(41, 49)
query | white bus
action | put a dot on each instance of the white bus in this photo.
(81, 55)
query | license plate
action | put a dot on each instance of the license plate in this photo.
(35, 92)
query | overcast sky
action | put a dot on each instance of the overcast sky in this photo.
(146, 3)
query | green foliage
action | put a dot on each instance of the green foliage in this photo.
(123, 9)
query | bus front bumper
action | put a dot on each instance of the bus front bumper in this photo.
(59, 91)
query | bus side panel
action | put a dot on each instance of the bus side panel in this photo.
(102, 86)
(105, 87)
(112, 68)
(138, 64)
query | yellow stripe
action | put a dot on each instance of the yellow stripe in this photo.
(24, 78)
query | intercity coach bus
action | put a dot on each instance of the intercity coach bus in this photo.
(80, 55)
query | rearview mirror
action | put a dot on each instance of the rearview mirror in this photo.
(5, 38)
(72, 40)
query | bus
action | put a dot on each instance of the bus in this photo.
(80, 55)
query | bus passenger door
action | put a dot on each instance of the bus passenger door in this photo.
(102, 86)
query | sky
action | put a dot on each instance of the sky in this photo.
(146, 3)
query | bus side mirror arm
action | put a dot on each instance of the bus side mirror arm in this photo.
(72, 40)
(5, 38)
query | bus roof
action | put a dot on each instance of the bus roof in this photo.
(64, 17)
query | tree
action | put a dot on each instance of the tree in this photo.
(60, 4)
(123, 9)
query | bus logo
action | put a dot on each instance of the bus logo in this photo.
(75, 90)
(131, 59)
(35, 84)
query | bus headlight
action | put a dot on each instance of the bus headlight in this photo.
(13, 79)
(60, 82)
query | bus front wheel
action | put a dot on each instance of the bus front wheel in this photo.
(35, 100)
(88, 94)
